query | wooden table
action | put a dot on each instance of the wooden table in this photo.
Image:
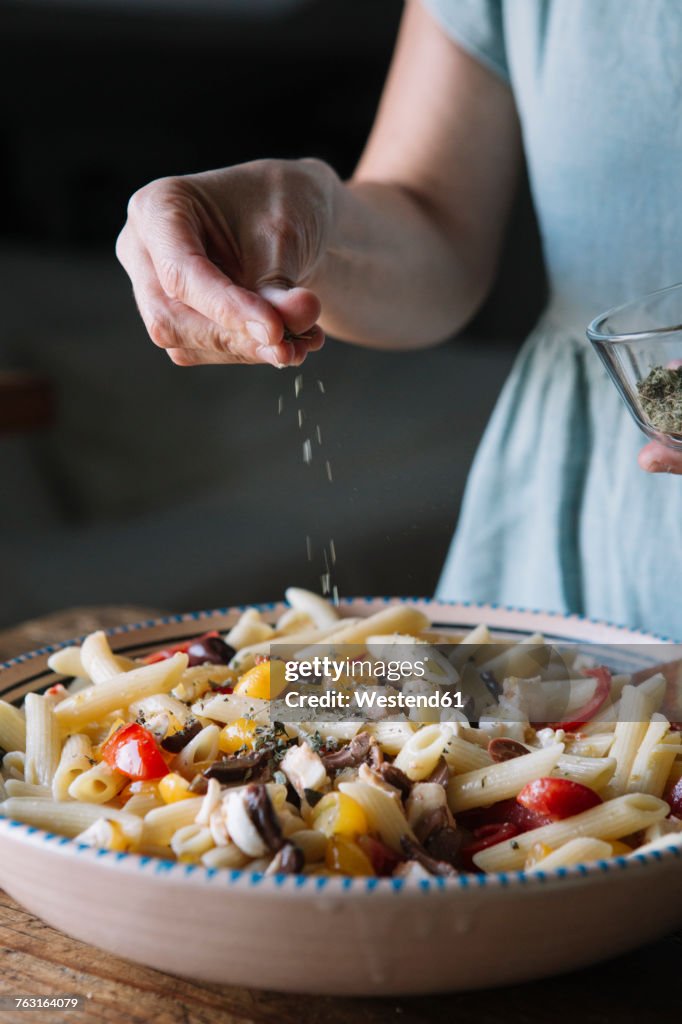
(640, 988)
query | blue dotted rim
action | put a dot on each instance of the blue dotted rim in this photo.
(196, 872)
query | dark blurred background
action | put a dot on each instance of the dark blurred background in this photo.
(182, 488)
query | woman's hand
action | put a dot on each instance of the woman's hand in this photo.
(398, 258)
(657, 458)
(222, 263)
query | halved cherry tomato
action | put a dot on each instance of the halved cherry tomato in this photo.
(384, 859)
(132, 750)
(558, 798)
(590, 709)
(485, 836)
(500, 813)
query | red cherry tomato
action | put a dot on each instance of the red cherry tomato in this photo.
(384, 860)
(557, 798)
(485, 836)
(500, 813)
(132, 750)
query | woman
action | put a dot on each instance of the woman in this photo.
(557, 515)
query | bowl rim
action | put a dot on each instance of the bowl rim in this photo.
(595, 334)
(199, 874)
(245, 880)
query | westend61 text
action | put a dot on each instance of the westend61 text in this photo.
(371, 699)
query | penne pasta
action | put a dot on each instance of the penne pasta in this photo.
(185, 764)
(119, 692)
(576, 851)
(14, 787)
(12, 728)
(486, 786)
(161, 823)
(629, 734)
(383, 814)
(596, 772)
(392, 736)
(43, 742)
(420, 755)
(98, 785)
(463, 756)
(399, 619)
(611, 820)
(67, 819)
(654, 759)
(75, 759)
(97, 658)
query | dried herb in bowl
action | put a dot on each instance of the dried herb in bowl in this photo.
(661, 396)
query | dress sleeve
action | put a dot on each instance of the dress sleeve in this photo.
(475, 25)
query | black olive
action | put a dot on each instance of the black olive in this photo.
(444, 845)
(262, 814)
(416, 852)
(237, 767)
(210, 650)
(179, 740)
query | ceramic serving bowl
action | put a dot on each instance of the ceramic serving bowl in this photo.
(339, 935)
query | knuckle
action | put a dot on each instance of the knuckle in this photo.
(154, 193)
(172, 278)
(120, 247)
(138, 201)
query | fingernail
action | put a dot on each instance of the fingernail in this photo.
(257, 331)
(273, 293)
(269, 355)
(654, 467)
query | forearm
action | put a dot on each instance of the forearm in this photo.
(395, 273)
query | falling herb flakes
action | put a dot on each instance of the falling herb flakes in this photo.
(661, 396)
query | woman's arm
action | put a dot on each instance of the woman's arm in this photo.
(418, 229)
(400, 257)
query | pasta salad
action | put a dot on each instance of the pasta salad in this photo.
(178, 754)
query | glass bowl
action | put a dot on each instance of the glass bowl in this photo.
(635, 339)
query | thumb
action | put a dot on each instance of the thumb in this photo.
(299, 308)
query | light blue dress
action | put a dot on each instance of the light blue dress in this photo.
(557, 514)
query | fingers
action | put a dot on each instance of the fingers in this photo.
(175, 327)
(190, 306)
(168, 218)
(657, 458)
(298, 351)
(299, 308)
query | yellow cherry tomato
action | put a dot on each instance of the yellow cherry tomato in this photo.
(173, 787)
(262, 682)
(339, 815)
(238, 734)
(346, 858)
